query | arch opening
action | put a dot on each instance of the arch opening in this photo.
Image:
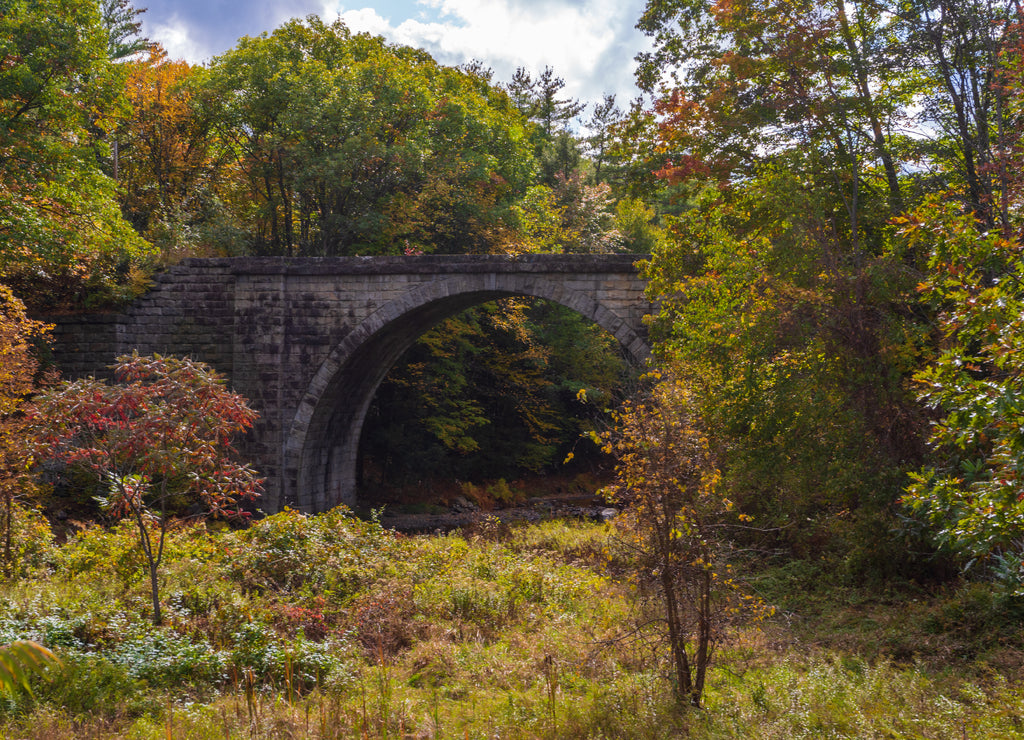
(493, 399)
(322, 447)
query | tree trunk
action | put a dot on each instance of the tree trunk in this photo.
(8, 525)
(703, 652)
(286, 203)
(877, 134)
(676, 634)
(153, 564)
(154, 586)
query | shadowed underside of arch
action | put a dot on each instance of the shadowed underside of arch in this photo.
(321, 446)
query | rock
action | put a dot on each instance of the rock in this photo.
(461, 505)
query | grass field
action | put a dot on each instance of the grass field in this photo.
(332, 627)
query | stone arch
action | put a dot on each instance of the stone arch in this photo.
(322, 443)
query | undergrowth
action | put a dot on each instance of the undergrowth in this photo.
(333, 627)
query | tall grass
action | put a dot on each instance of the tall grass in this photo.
(328, 627)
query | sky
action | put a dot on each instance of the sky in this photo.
(588, 43)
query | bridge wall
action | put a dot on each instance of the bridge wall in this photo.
(308, 340)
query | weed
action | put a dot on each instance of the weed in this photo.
(383, 619)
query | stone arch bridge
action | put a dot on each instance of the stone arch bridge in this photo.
(308, 340)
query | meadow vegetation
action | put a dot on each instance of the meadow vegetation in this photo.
(331, 626)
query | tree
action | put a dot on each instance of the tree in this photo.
(344, 144)
(491, 393)
(674, 521)
(961, 49)
(633, 157)
(601, 124)
(797, 368)
(756, 81)
(786, 300)
(588, 216)
(555, 147)
(169, 163)
(61, 231)
(636, 223)
(124, 39)
(851, 80)
(538, 100)
(19, 336)
(158, 442)
(972, 492)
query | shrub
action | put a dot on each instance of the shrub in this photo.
(93, 685)
(501, 492)
(383, 619)
(97, 552)
(332, 554)
(164, 658)
(31, 546)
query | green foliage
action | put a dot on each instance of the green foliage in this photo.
(570, 541)
(167, 659)
(781, 127)
(480, 587)
(32, 547)
(795, 365)
(539, 221)
(123, 29)
(21, 659)
(102, 552)
(290, 552)
(972, 495)
(505, 633)
(63, 233)
(501, 492)
(348, 145)
(538, 100)
(85, 683)
(634, 220)
(494, 392)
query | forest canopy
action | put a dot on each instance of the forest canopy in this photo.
(830, 196)
(841, 165)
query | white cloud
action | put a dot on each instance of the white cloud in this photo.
(365, 19)
(589, 44)
(178, 40)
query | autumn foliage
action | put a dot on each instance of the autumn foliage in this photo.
(971, 492)
(18, 377)
(158, 441)
(675, 522)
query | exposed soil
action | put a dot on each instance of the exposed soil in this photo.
(462, 513)
(444, 505)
